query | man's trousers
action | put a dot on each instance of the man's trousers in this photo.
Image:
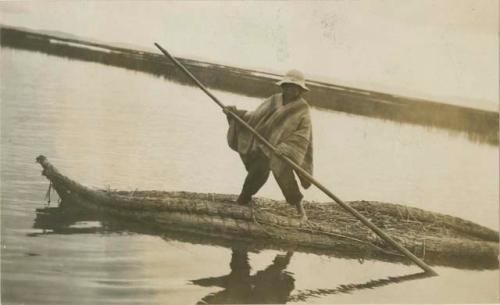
(257, 166)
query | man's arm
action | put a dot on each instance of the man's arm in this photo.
(245, 114)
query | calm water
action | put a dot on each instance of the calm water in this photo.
(106, 126)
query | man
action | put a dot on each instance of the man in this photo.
(284, 120)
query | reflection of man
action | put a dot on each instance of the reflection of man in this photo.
(273, 285)
(270, 286)
(284, 120)
(237, 283)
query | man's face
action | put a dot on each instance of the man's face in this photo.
(291, 92)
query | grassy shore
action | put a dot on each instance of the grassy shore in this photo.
(478, 125)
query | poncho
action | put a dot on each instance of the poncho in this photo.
(288, 126)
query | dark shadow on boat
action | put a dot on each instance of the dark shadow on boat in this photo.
(68, 218)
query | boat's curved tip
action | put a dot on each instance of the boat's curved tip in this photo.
(46, 166)
(41, 159)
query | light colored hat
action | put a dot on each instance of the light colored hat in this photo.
(294, 77)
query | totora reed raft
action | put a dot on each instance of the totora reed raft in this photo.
(436, 238)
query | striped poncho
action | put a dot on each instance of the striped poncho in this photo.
(287, 126)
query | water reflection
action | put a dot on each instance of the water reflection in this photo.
(274, 284)
(349, 288)
(61, 220)
(271, 285)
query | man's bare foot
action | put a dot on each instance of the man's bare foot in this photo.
(302, 212)
(244, 201)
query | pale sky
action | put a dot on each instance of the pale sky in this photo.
(443, 50)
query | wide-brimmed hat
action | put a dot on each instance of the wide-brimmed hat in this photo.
(294, 77)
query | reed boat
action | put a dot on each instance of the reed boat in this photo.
(436, 238)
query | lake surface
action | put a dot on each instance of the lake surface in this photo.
(110, 127)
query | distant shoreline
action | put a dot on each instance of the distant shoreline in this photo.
(479, 125)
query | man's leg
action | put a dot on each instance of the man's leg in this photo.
(290, 189)
(258, 171)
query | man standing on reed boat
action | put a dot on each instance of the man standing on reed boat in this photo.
(284, 120)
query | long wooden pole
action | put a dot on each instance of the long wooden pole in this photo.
(302, 172)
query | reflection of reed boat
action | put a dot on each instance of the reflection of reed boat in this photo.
(433, 236)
